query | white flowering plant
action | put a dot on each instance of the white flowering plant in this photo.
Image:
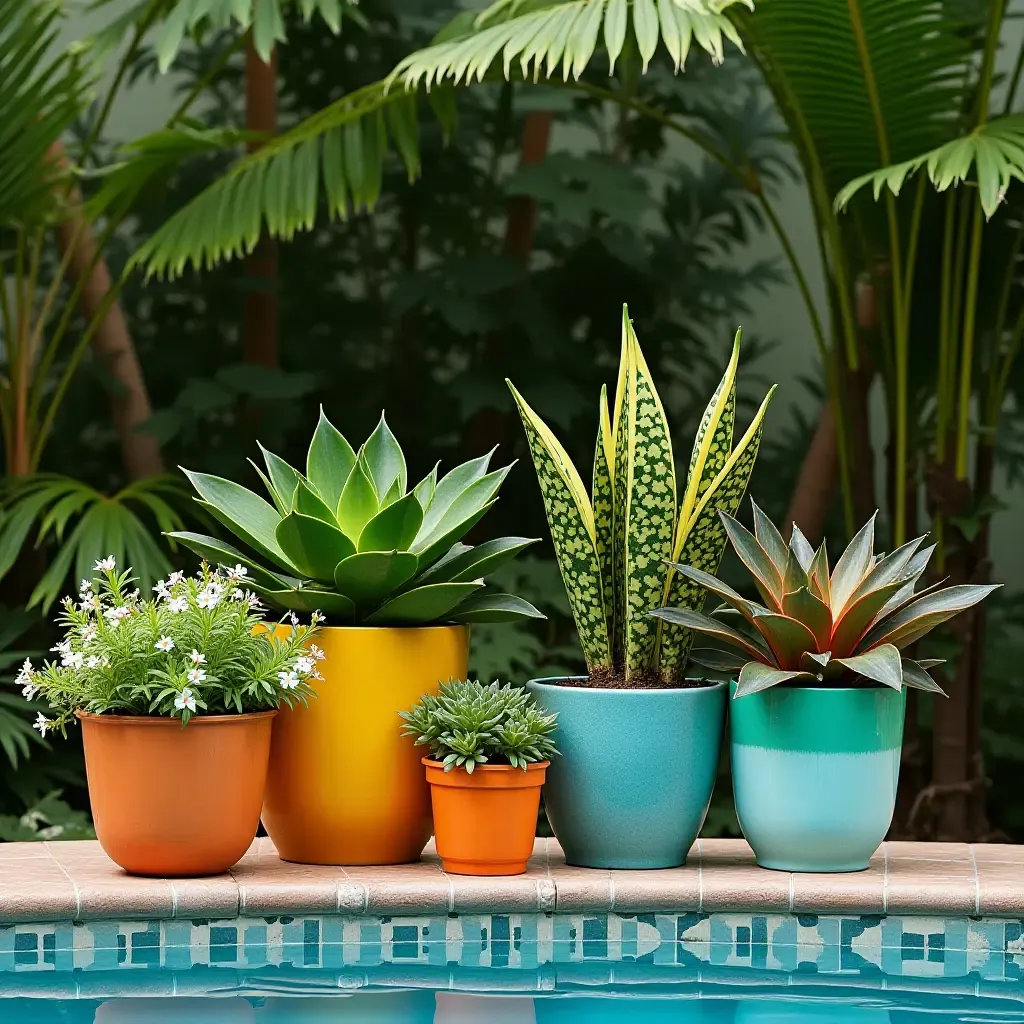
(194, 648)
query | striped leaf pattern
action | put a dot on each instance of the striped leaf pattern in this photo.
(602, 499)
(650, 509)
(620, 427)
(571, 521)
(703, 542)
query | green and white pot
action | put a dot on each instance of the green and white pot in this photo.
(814, 773)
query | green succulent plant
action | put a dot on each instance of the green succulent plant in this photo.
(469, 723)
(847, 627)
(613, 549)
(351, 539)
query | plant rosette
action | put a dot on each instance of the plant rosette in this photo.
(173, 692)
(818, 701)
(490, 747)
(638, 706)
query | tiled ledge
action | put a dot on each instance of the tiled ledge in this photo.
(76, 881)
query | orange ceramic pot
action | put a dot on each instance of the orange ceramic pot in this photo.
(485, 823)
(172, 801)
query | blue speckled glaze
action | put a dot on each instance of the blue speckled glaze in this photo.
(814, 774)
(633, 783)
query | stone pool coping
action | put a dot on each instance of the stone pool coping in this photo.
(76, 881)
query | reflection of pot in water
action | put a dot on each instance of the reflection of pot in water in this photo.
(807, 1011)
(409, 1006)
(620, 1008)
(467, 1008)
(176, 1010)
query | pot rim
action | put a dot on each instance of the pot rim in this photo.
(380, 629)
(877, 688)
(249, 716)
(662, 692)
(429, 762)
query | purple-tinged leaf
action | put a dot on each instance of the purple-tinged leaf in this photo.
(766, 577)
(880, 665)
(915, 676)
(803, 606)
(800, 546)
(922, 615)
(852, 566)
(713, 628)
(769, 538)
(755, 677)
(788, 638)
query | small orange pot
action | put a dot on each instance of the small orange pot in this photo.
(485, 823)
(171, 801)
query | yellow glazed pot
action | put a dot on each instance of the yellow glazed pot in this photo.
(344, 787)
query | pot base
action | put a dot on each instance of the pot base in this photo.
(812, 867)
(483, 867)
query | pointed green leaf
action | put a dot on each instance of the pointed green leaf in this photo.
(615, 30)
(857, 618)
(395, 526)
(423, 606)
(310, 599)
(480, 494)
(801, 547)
(819, 575)
(814, 614)
(444, 541)
(887, 569)
(650, 510)
(645, 26)
(753, 556)
(795, 575)
(920, 616)
(309, 503)
(384, 459)
(466, 564)
(915, 676)
(708, 582)
(394, 493)
(717, 661)
(571, 520)
(329, 461)
(451, 486)
(358, 503)
(283, 478)
(812, 661)
(769, 538)
(218, 552)
(370, 576)
(881, 665)
(714, 628)
(424, 490)
(787, 638)
(312, 545)
(604, 459)
(755, 677)
(620, 480)
(491, 607)
(852, 565)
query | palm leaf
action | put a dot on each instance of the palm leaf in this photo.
(338, 153)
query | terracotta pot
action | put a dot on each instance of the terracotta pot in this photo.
(485, 823)
(172, 801)
(345, 787)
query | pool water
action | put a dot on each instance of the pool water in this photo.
(747, 997)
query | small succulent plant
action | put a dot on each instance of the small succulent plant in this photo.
(350, 538)
(847, 627)
(613, 550)
(469, 723)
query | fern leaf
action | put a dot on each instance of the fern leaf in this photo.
(703, 542)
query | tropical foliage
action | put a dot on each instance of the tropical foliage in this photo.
(200, 646)
(349, 537)
(469, 724)
(847, 626)
(613, 548)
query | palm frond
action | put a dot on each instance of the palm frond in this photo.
(43, 88)
(100, 525)
(993, 151)
(338, 153)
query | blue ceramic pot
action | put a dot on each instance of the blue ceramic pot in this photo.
(633, 782)
(814, 773)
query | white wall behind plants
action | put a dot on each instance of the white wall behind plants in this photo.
(778, 314)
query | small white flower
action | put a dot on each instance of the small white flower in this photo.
(105, 564)
(165, 643)
(185, 700)
(29, 690)
(294, 619)
(87, 635)
(209, 598)
(73, 659)
(238, 594)
(41, 724)
(316, 652)
(25, 672)
(197, 675)
(197, 658)
(289, 680)
(62, 648)
(304, 664)
(85, 587)
(115, 615)
(160, 588)
(238, 573)
(92, 661)
(90, 603)
(253, 601)
(177, 604)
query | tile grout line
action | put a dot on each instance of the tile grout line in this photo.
(611, 892)
(885, 878)
(792, 891)
(174, 900)
(700, 879)
(67, 875)
(977, 881)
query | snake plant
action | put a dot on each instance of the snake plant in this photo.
(816, 628)
(351, 539)
(613, 548)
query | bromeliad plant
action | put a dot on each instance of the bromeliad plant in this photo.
(469, 723)
(816, 628)
(350, 538)
(614, 550)
(192, 649)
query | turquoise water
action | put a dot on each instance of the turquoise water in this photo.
(290, 997)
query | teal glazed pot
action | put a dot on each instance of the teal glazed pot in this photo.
(814, 773)
(632, 785)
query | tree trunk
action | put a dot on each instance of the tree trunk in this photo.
(816, 485)
(111, 342)
(260, 308)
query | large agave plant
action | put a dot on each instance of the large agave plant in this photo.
(844, 628)
(350, 538)
(613, 550)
